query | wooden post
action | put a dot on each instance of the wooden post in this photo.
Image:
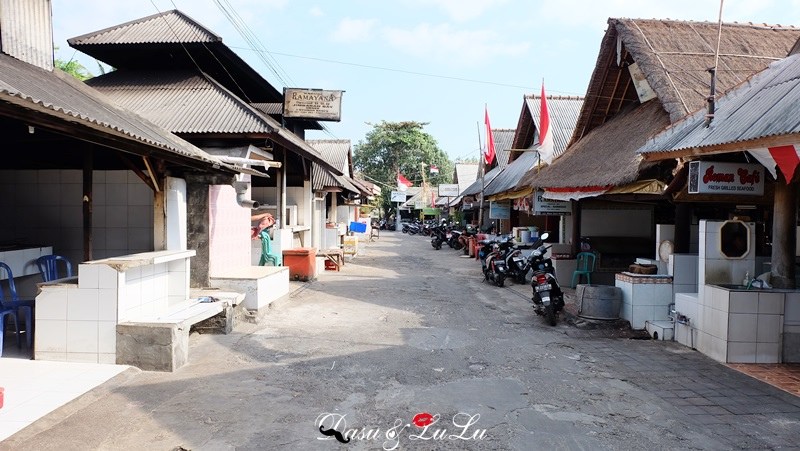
(88, 170)
(576, 226)
(784, 230)
(158, 178)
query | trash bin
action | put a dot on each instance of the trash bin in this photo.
(301, 262)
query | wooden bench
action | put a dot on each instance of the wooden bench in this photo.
(334, 255)
(161, 342)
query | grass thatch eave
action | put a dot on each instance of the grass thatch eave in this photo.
(607, 155)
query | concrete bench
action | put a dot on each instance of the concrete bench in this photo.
(261, 284)
(161, 343)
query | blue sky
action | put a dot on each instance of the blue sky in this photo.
(435, 61)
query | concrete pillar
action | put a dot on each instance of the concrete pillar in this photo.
(197, 223)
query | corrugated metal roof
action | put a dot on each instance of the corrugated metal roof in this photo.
(167, 27)
(181, 101)
(503, 141)
(26, 31)
(337, 153)
(65, 97)
(563, 111)
(764, 106)
(190, 102)
(269, 108)
(475, 187)
(511, 174)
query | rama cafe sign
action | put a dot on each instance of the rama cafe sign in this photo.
(711, 177)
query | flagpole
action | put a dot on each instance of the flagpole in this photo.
(481, 170)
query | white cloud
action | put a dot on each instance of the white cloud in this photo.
(354, 30)
(462, 10)
(442, 43)
(316, 11)
(580, 13)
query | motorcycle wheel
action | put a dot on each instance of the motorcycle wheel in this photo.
(550, 313)
(500, 280)
(438, 246)
(521, 279)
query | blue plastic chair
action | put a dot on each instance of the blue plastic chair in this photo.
(7, 312)
(266, 251)
(20, 307)
(48, 266)
(585, 267)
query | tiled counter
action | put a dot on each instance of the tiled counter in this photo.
(76, 318)
(645, 297)
(741, 326)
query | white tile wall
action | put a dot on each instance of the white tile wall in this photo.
(51, 305)
(50, 336)
(78, 322)
(741, 352)
(83, 305)
(770, 303)
(742, 327)
(768, 352)
(81, 337)
(769, 328)
(743, 302)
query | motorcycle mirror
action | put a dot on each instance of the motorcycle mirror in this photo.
(544, 236)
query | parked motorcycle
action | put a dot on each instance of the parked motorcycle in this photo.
(454, 239)
(548, 299)
(492, 261)
(518, 266)
(439, 237)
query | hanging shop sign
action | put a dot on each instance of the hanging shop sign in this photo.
(500, 210)
(312, 104)
(542, 206)
(712, 177)
(450, 190)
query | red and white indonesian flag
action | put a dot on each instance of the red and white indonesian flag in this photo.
(434, 169)
(489, 153)
(546, 149)
(403, 183)
(784, 157)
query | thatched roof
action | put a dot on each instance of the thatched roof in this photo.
(607, 155)
(674, 57)
(759, 114)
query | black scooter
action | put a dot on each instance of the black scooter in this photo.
(548, 299)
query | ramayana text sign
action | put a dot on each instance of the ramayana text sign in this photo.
(449, 190)
(542, 206)
(312, 104)
(712, 177)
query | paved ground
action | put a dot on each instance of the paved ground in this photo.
(405, 330)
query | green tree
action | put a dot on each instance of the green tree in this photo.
(405, 147)
(73, 68)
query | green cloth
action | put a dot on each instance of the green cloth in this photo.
(266, 251)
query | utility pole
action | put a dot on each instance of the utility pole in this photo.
(481, 169)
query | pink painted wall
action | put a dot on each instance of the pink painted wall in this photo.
(228, 230)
